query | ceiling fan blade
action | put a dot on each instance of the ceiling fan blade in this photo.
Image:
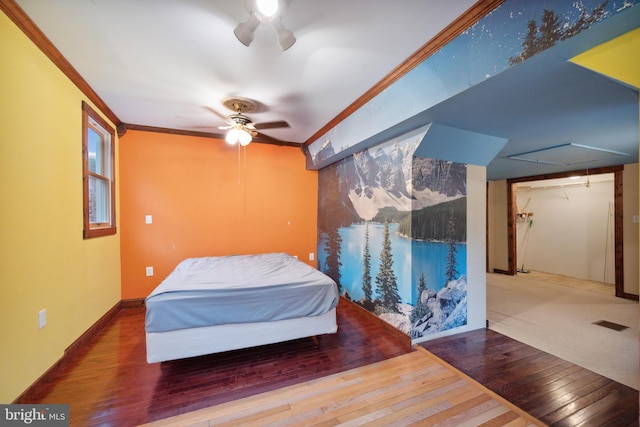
(261, 137)
(212, 127)
(203, 133)
(223, 117)
(271, 125)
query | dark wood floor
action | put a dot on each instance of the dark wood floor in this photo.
(553, 390)
(109, 382)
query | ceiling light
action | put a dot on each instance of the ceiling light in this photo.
(244, 30)
(286, 39)
(267, 8)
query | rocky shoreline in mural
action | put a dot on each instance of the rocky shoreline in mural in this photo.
(447, 309)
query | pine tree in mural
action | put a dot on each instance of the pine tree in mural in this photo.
(387, 284)
(552, 29)
(529, 47)
(586, 19)
(450, 272)
(366, 274)
(332, 249)
(421, 310)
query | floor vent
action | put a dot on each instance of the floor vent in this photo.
(611, 325)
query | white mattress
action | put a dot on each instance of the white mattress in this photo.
(235, 289)
(182, 343)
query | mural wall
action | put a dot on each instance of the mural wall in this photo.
(392, 225)
(392, 233)
(513, 32)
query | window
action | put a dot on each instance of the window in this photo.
(98, 178)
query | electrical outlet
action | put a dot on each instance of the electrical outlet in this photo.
(42, 318)
(149, 271)
(148, 219)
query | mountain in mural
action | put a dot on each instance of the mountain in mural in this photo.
(390, 177)
(326, 151)
(438, 176)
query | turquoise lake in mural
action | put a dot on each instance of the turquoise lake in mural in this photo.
(429, 258)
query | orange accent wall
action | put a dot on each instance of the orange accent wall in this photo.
(207, 198)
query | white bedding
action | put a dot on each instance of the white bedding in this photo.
(238, 289)
(213, 304)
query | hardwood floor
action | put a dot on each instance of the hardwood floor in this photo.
(413, 389)
(553, 390)
(109, 382)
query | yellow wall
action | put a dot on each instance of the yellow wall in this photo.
(44, 262)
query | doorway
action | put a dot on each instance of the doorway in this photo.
(513, 218)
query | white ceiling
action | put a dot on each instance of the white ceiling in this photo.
(165, 63)
(169, 63)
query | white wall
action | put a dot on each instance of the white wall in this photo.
(476, 254)
(571, 231)
(476, 246)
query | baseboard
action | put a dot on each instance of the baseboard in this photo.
(628, 296)
(31, 393)
(132, 303)
(384, 324)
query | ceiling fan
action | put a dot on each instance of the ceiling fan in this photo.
(241, 129)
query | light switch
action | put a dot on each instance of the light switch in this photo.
(148, 219)
(311, 256)
(149, 271)
(42, 318)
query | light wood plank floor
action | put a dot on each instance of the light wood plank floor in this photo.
(415, 388)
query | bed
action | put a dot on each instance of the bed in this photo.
(215, 304)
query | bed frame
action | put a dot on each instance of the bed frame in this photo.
(182, 343)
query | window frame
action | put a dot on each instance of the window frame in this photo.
(92, 120)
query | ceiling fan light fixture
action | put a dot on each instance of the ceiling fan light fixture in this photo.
(238, 135)
(244, 137)
(233, 136)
